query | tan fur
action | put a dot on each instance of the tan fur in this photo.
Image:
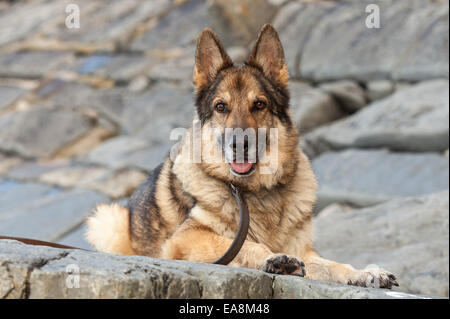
(108, 229)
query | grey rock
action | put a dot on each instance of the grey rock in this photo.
(190, 17)
(24, 20)
(48, 217)
(107, 103)
(32, 64)
(126, 151)
(412, 119)
(364, 178)
(349, 95)
(409, 237)
(76, 238)
(110, 24)
(312, 107)
(121, 68)
(9, 94)
(238, 22)
(379, 89)
(43, 272)
(41, 132)
(411, 43)
(286, 288)
(13, 193)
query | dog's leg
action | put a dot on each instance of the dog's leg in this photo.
(319, 268)
(196, 242)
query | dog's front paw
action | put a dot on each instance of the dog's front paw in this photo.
(285, 265)
(373, 278)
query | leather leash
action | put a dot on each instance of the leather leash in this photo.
(229, 255)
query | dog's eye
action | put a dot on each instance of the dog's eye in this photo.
(220, 107)
(259, 105)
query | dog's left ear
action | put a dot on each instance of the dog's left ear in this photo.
(268, 55)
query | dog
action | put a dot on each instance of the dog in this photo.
(185, 209)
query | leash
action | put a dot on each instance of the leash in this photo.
(229, 255)
(241, 235)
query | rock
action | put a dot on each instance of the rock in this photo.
(177, 68)
(311, 107)
(9, 94)
(349, 95)
(121, 68)
(412, 119)
(379, 89)
(76, 238)
(407, 236)
(32, 64)
(238, 22)
(155, 113)
(125, 151)
(411, 43)
(22, 21)
(44, 272)
(364, 178)
(8, 163)
(190, 17)
(47, 217)
(107, 103)
(41, 132)
(13, 193)
(115, 184)
(105, 28)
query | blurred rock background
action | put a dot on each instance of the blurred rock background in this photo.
(86, 113)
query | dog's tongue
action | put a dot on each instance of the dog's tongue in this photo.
(241, 168)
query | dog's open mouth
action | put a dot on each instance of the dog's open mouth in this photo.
(242, 169)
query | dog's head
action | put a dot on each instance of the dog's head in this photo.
(244, 112)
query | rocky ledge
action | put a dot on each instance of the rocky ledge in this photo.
(44, 272)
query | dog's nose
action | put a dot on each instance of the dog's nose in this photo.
(239, 145)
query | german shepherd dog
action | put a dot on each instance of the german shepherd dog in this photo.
(185, 209)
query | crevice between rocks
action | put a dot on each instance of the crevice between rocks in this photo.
(36, 266)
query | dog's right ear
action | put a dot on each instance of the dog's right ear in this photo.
(210, 58)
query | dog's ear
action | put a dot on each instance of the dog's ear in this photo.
(268, 55)
(210, 58)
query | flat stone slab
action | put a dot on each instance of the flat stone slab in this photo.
(43, 272)
(47, 216)
(41, 132)
(9, 94)
(410, 44)
(127, 151)
(367, 177)
(412, 119)
(409, 237)
(190, 16)
(312, 107)
(32, 64)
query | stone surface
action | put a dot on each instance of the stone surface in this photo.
(379, 89)
(32, 64)
(412, 119)
(126, 151)
(190, 17)
(409, 237)
(9, 94)
(43, 272)
(115, 184)
(47, 216)
(411, 43)
(349, 95)
(312, 107)
(237, 22)
(41, 132)
(363, 178)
